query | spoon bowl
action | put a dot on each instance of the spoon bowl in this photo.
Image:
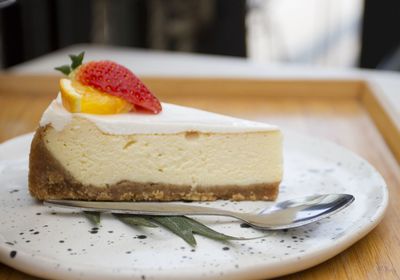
(298, 212)
(282, 215)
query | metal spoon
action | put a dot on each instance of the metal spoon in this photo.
(282, 215)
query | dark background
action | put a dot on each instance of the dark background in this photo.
(29, 29)
(33, 28)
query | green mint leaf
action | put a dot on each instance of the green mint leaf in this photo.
(93, 217)
(177, 225)
(134, 220)
(65, 69)
(76, 60)
(181, 226)
(203, 230)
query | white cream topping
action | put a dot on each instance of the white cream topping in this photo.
(172, 119)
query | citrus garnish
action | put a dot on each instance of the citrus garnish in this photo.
(78, 98)
(104, 87)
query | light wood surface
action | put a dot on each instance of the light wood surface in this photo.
(310, 107)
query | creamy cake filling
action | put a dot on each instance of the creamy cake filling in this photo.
(184, 158)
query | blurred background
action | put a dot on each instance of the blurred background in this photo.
(331, 33)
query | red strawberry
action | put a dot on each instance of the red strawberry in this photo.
(117, 80)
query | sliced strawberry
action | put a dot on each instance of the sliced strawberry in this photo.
(117, 80)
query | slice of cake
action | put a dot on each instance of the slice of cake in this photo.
(91, 146)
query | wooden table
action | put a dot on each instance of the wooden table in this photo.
(349, 112)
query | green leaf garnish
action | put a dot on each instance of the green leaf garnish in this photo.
(76, 60)
(65, 69)
(203, 230)
(181, 226)
(177, 225)
(93, 217)
(134, 220)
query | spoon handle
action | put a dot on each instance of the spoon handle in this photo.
(140, 208)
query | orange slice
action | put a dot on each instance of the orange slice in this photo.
(78, 98)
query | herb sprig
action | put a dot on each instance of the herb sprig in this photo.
(76, 61)
(181, 226)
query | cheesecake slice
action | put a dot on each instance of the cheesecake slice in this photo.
(180, 153)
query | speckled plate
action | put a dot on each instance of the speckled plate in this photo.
(42, 242)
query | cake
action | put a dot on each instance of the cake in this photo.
(164, 152)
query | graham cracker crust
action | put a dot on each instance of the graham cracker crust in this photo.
(48, 179)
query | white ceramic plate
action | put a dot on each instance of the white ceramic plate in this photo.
(37, 241)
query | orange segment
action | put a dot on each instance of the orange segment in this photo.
(71, 99)
(78, 98)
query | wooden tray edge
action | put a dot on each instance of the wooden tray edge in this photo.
(166, 86)
(383, 115)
